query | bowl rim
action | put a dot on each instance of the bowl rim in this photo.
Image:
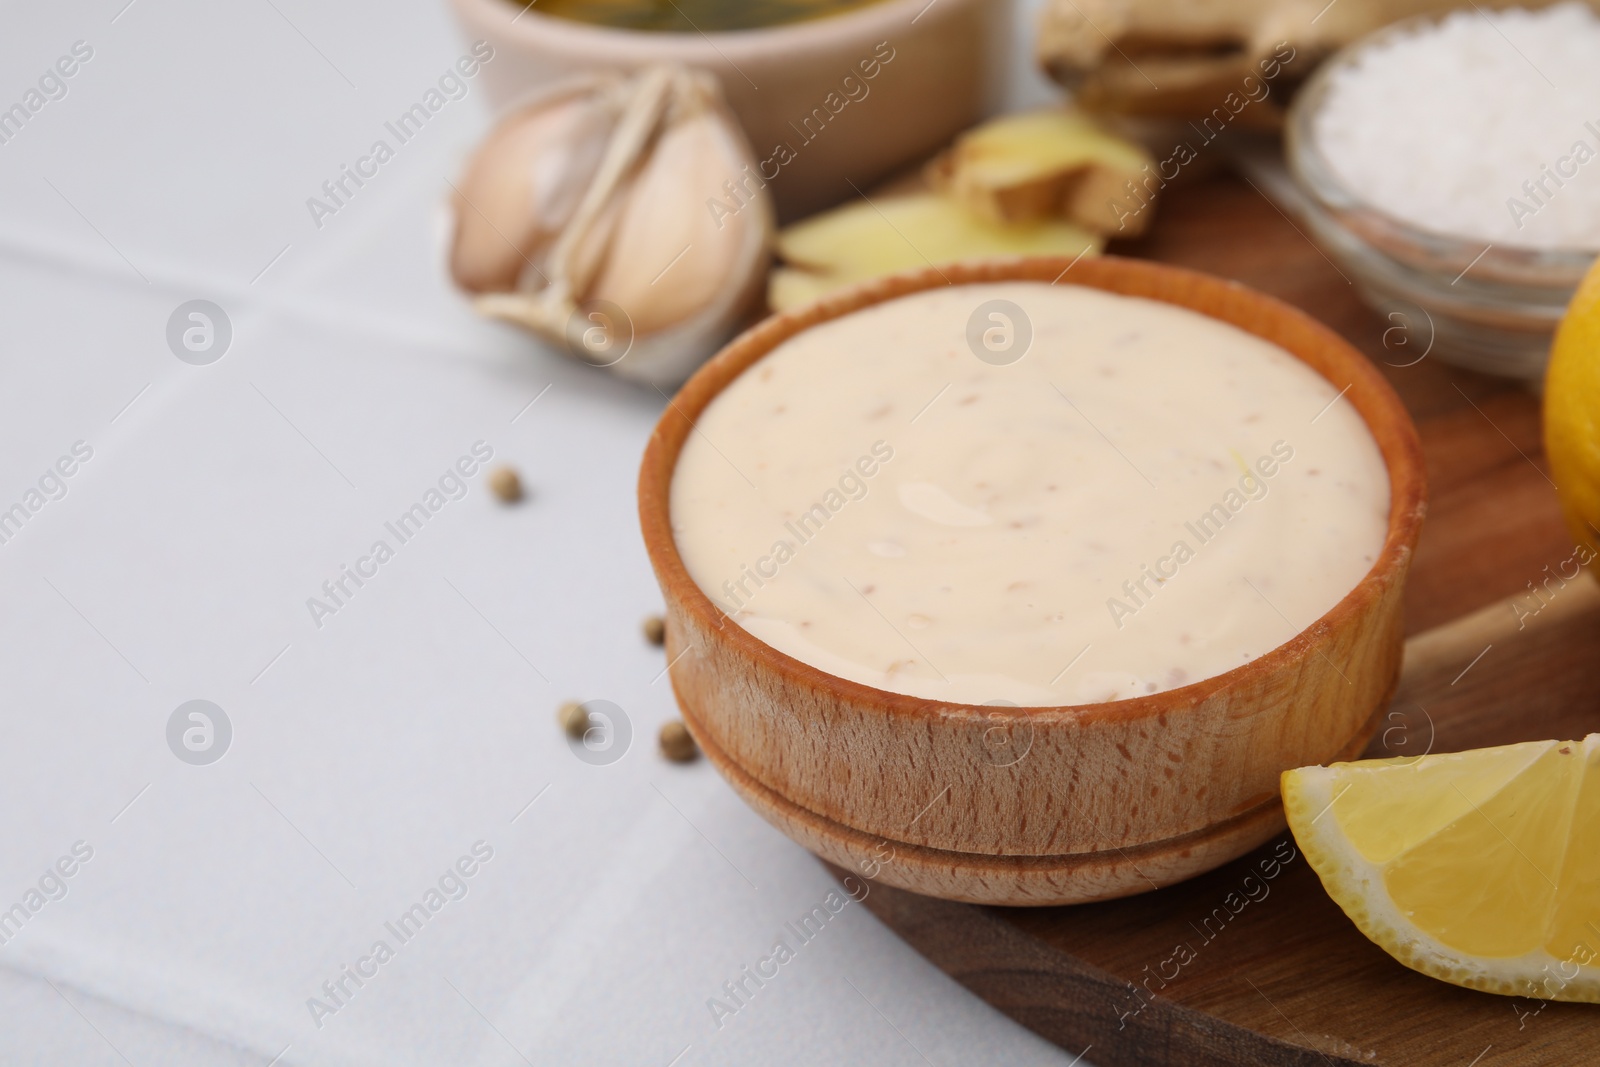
(1206, 294)
(1418, 247)
(821, 34)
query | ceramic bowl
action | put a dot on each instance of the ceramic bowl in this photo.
(802, 91)
(1039, 805)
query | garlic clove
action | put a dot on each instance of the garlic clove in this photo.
(671, 257)
(573, 259)
(565, 272)
(640, 224)
(525, 181)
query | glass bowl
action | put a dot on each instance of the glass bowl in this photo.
(1492, 307)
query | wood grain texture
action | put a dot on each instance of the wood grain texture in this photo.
(1288, 980)
(1110, 798)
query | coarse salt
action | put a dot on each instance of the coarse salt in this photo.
(1483, 125)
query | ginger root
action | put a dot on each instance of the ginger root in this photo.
(1051, 163)
(871, 238)
(1179, 58)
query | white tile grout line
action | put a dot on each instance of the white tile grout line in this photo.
(423, 335)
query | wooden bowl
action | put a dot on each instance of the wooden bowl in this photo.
(1088, 802)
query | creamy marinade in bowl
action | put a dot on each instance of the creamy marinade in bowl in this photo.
(1026, 593)
(1144, 498)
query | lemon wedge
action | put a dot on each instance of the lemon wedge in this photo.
(1479, 868)
(1572, 416)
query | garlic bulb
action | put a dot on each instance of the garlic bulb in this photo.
(621, 218)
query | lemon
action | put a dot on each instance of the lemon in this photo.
(1572, 412)
(1480, 868)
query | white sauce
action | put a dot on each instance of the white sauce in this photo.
(874, 500)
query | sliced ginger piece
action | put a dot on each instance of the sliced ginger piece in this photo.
(1051, 163)
(788, 288)
(865, 240)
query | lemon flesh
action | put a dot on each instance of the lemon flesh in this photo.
(1480, 868)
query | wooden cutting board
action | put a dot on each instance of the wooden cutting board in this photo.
(1237, 967)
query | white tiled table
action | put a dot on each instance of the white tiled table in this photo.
(371, 752)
